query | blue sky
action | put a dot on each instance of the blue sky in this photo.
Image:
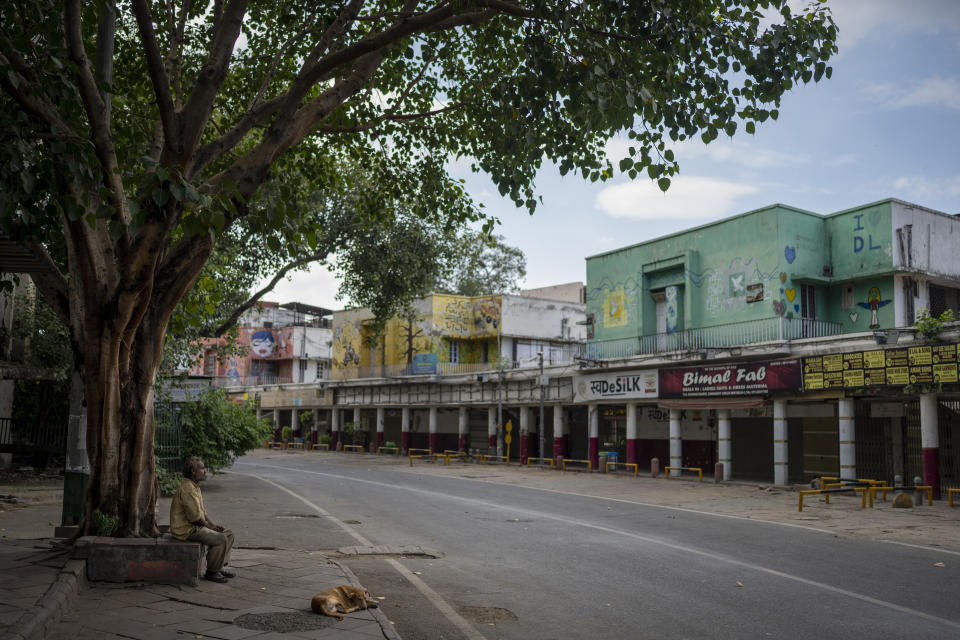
(886, 125)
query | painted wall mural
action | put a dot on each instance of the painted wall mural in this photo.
(874, 303)
(346, 345)
(673, 310)
(615, 312)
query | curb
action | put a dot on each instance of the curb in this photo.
(388, 630)
(37, 622)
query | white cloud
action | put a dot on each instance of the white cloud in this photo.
(317, 287)
(922, 188)
(857, 19)
(689, 198)
(724, 151)
(935, 91)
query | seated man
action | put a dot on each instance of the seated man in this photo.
(188, 521)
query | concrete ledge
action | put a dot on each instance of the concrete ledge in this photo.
(37, 622)
(162, 560)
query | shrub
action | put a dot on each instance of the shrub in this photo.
(286, 434)
(219, 430)
(168, 481)
(931, 326)
(325, 439)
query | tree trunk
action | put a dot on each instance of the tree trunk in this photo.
(120, 431)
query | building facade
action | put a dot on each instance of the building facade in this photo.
(774, 337)
(280, 344)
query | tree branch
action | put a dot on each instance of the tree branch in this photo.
(97, 114)
(155, 67)
(402, 117)
(255, 298)
(193, 118)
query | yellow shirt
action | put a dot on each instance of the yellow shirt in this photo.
(186, 508)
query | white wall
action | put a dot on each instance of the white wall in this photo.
(525, 317)
(935, 238)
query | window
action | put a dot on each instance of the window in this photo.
(485, 353)
(943, 298)
(321, 369)
(454, 351)
(303, 371)
(210, 363)
(808, 301)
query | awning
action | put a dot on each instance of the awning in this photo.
(711, 403)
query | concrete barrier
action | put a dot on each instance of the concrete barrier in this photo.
(163, 560)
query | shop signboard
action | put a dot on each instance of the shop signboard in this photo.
(746, 379)
(925, 364)
(424, 363)
(631, 385)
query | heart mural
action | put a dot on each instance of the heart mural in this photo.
(796, 308)
(791, 294)
(790, 253)
(783, 277)
(854, 317)
(779, 307)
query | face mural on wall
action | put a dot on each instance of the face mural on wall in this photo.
(262, 343)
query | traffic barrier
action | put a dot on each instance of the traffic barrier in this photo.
(540, 461)
(353, 447)
(277, 445)
(296, 444)
(394, 449)
(681, 469)
(321, 445)
(419, 454)
(826, 494)
(950, 494)
(626, 465)
(566, 461)
(485, 458)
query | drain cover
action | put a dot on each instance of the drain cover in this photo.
(284, 621)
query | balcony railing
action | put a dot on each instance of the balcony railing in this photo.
(250, 381)
(551, 356)
(724, 335)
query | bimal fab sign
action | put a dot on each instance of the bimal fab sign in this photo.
(731, 380)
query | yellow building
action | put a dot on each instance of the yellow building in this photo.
(442, 334)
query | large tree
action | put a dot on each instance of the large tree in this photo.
(484, 264)
(136, 133)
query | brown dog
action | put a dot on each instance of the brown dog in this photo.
(343, 599)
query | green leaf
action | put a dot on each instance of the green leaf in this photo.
(750, 127)
(160, 196)
(664, 184)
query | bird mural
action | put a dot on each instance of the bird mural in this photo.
(873, 303)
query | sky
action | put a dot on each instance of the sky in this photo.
(886, 125)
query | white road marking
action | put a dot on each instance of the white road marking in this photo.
(636, 536)
(921, 547)
(455, 618)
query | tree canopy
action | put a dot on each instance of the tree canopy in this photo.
(483, 263)
(136, 133)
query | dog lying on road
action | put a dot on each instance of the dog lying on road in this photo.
(343, 599)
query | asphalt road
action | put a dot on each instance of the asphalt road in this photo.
(521, 563)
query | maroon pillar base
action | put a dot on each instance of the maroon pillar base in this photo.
(631, 451)
(433, 442)
(595, 452)
(404, 443)
(462, 443)
(313, 437)
(492, 442)
(379, 439)
(334, 440)
(523, 450)
(931, 470)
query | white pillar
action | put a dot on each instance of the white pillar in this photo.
(593, 439)
(335, 420)
(276, 418)
(781, 470)
(316, 419)
(405, 420)
(676, 442)
(433, 419)
(930, 442)
(294, 420)
(491, 429)
(356, 418)
(724, 443)
(524, 420)
(848, 440)
(558, 415)
(462, 425)
(381, 412)
(631, 421)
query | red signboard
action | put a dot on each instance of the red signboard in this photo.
(748, 379)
